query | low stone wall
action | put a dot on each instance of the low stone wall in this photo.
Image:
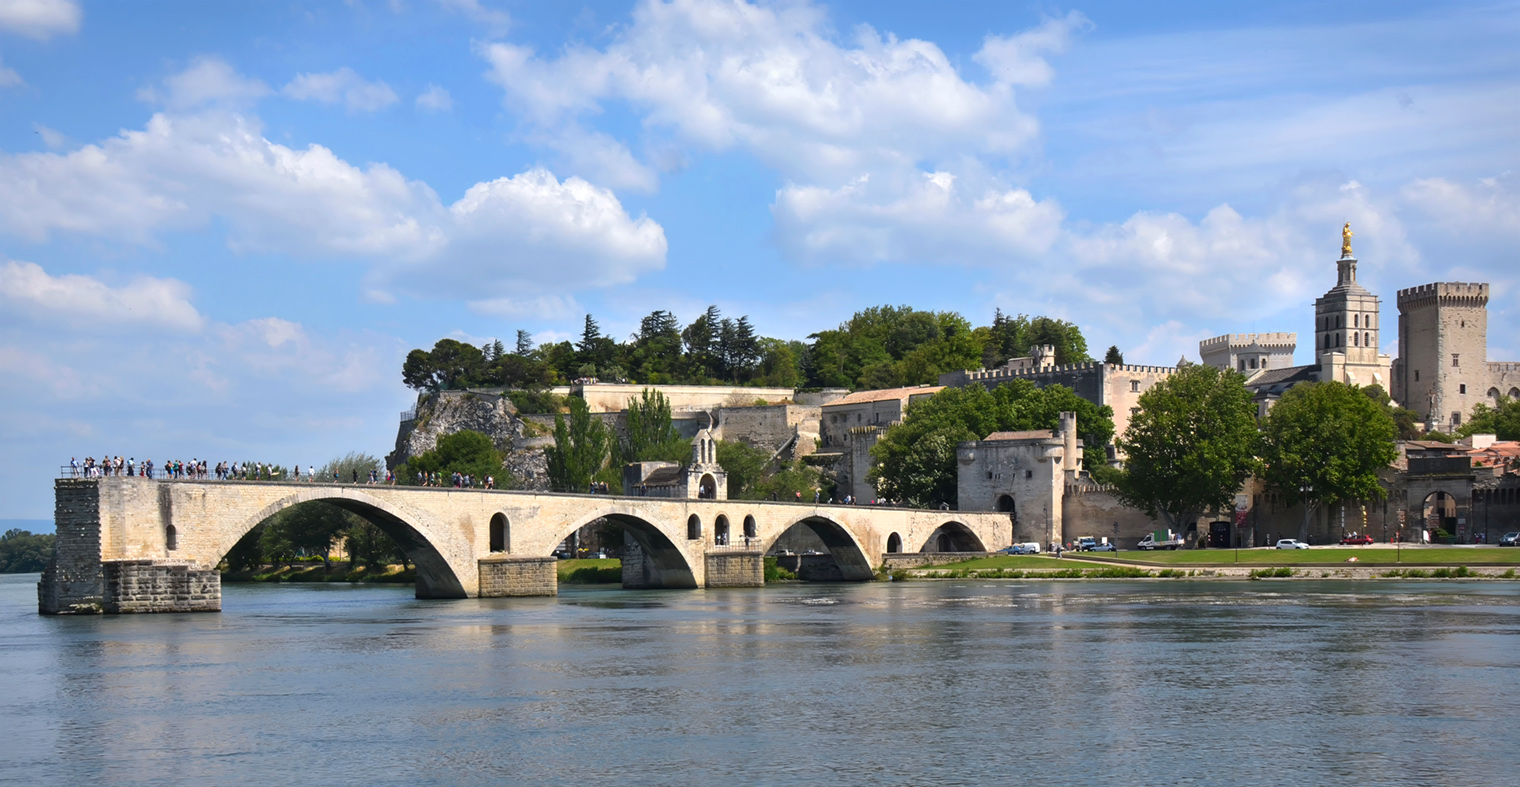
(735, 569)
(160, 586)
(896, 560)
(503, 576)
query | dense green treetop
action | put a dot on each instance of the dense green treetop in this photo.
(1502, 420)
(879, 347)
(464, 452)
(915, 460)
(580, 449)
(652, 437)
(1325, 443)
(24, 552)
(1191, 445)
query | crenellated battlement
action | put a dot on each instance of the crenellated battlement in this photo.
(1277, 339)
(1450, 293)
(978, 375)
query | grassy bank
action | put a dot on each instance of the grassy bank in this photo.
(590, 571)
(339, 572)
(1316, 556)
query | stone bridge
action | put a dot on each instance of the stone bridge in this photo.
(130, 544)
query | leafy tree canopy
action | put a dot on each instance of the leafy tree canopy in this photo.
(1325, 443)
(580, 448)
(916, 459)
(24, 552)
(465, 452)
(1502, 419)
(1191, 445)
(651, 435)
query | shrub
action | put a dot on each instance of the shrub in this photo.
(1283, 571)
(1510, 574)
(1124, 572)
(775, 573)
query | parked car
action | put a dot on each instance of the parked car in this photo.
(1510, 540)
(1359, 541)
(1103, 548)
(1086, 543)
(1289, 543)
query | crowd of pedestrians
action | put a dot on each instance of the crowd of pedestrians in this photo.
(455, 480)
(199, 470)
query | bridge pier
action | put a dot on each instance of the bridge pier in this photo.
(735, 569)
(502, 576)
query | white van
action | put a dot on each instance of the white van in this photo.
(1027, 548)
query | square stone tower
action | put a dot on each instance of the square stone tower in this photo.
(1346, 325)
(1443, 367)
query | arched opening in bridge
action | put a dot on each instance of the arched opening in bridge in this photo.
(953, 537)
(693, 528)
(751, 530)
(1440, 513)
(894, 543)
(820, 550)
(650, 559)
(720, 531)
(500, 533)
(707, 488)
(171, 538)
(1005, 504)
(348, 535)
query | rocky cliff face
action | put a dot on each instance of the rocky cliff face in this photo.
(448, 412)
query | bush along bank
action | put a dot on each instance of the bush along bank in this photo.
(337, 572)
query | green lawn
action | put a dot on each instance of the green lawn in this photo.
(1006, 561)
(1370, 556)
(589, 571)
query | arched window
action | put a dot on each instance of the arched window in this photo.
(1356, 320)
(499, 531)
(693, 527)
(1366, 340)
(720, 531)
(751, 530)
(894, 543)
(171, 538)
(1356, 339)
(1514, 393)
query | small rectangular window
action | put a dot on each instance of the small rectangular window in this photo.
(1454, 359)
(1416, 375)
(1462, 388)
(1134, 386)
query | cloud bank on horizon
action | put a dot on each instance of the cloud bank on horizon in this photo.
(219, 225)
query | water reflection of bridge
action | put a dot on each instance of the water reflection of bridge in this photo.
(134, 544)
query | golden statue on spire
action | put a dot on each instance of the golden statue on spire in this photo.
(1346, 240)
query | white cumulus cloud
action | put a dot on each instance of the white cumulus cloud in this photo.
(186, 168)
(86, 304)
(39, 19)
(9, 77)
(343, 86)
(206, 80)
(435, 99)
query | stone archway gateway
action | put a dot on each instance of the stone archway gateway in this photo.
(133, 544)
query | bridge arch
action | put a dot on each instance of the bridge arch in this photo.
(849, 553)
(653, 556)
(424, 544)
(953, 536)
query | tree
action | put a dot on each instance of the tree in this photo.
(465, 452)
(745, 466)
(1501, 420)
(1406, 422)
(916, 459)
(24, 552)
(1325, 443)
(524, 342)
(1191, 446)
(450, 364)
(1113, 356)
(651, 435)
(580, 448)
(308, 529)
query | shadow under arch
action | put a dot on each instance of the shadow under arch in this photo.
(953, 536)
(650, 558)
(849, 559)
(435, 578)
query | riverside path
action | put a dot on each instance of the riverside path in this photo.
(133, 544)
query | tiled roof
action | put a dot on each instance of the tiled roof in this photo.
(1033, 434)
(1291, 374)
(882, 395)
(665, 476)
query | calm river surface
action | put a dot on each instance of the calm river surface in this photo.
(969, 682)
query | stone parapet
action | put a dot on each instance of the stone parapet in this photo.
(160, 586)
(503, 576)
(735, 569)
(1445, 293)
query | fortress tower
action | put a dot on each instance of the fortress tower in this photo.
(1346, 325)
(1443, 367)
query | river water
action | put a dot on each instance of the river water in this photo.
(954, 682)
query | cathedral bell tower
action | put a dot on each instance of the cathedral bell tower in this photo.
(1346, 323)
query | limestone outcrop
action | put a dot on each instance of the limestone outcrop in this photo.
(447, 412)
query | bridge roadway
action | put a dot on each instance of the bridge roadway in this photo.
(136, 544)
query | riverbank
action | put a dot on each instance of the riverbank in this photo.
(316, 572)
(1325, 563)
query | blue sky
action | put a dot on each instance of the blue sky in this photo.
(223, 224)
